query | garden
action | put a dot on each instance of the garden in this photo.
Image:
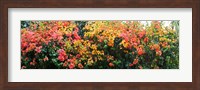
(99, 45)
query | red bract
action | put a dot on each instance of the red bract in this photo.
(24, 45)
(65, 24)
(141, 34)
(62, 55)
(140, 51)
(111, 64)
(125, 36)
(71, 65)
(146, 39)
(46, 58)
(75, 33)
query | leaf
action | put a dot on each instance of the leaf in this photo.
(112, 48)
(105, 46)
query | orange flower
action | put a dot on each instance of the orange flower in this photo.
(151, 47)
(156, 47)
(164, 44)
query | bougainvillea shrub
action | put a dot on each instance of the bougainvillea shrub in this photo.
(99, 45)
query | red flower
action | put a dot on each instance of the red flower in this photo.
(46, 58)
(141, 34)
(62, 55)
(71, 65)
(156, 47)
(131, 65)
(75, 33)
(65, 23)
(133, 39)
(140, 51)
(146, 39)
(24, 44)
(111, 64)
(135, 61)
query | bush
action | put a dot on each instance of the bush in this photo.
(99, 45)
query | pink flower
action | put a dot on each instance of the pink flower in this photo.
(125, 36)
(46, 58)
(61, 58)
(23, 67)
(54, 36)
(38, 49)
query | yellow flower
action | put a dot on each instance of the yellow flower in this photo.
(90, 61)
(94, 47)
(93, 52)
(125, 51)
(124, 43)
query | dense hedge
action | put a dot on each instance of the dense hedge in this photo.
(99, 45)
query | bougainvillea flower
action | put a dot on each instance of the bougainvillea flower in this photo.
(93, 44)
(158, 53)
(156, 47)
(46, 58)
(135, 61)
(38, 49)
(71, 65)
(62, 55)
(80, 66)
(140, 51)
(146, 39)
(141, 34)
(111, 64)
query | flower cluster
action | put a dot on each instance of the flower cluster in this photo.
(99, 45)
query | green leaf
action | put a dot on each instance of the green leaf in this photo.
(105, 47)
(112, 48)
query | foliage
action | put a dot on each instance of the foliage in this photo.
(99, 45)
